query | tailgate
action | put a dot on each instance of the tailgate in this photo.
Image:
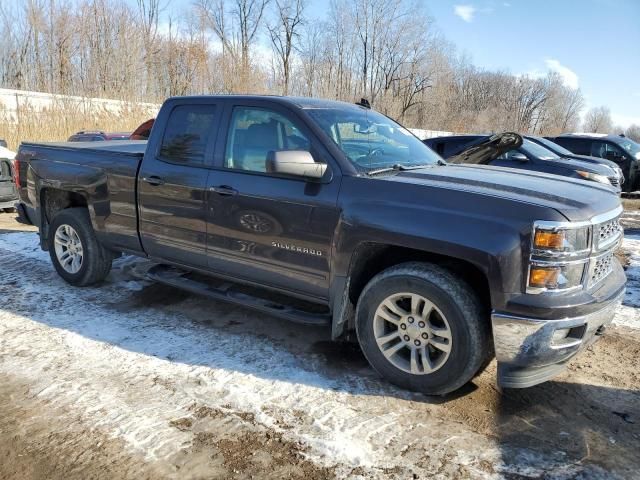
(7, 188)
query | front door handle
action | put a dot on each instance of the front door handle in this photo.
(223, 190)
(153, 180)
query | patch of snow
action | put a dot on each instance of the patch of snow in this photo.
(26, 244)
(628, 314)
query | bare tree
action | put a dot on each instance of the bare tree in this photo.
(385, 50)
(598, 120)
(284, 32)
(633, 132)
(236, 28)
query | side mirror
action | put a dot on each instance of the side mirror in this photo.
(297, 163)
(519, 157)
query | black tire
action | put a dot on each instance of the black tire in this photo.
(9, 210)
(471, 343)
(96, 261)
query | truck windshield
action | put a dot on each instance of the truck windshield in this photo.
(630, 146)
(372, 141)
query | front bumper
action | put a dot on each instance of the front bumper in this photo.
(531, 351)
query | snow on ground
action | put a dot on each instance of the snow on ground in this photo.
(629, 312)
(206, 366)
(131, 370)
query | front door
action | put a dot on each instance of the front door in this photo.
(266, 228)
(172, 185)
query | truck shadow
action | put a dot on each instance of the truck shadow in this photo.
(569, 430)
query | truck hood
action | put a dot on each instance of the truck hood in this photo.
(577, 200)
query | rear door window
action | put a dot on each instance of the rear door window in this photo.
(187, 134)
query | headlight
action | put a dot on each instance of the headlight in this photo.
(549, 240)
(593, 176)
(543, 276)
(559, 255)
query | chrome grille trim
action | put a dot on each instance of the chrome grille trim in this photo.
(607, 233)
(600, 268)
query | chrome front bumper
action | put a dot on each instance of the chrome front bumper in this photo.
(530, 351)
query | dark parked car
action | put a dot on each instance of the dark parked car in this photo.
(3, 143)
(97, 136)
(623, 151)
(328, 213)
(8, 191)
(513, 151)
(564, 153)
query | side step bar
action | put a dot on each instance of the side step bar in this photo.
(217, 289)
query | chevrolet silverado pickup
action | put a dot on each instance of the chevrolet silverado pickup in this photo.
(329, 213)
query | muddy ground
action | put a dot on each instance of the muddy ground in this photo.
(136, 380)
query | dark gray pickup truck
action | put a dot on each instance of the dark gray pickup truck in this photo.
(330, 213)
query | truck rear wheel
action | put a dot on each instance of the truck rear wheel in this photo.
(423, 328)
(75, 252)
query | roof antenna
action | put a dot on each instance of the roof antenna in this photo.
(364, 103)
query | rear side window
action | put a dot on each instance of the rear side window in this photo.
(580, 146)
(454, 146)
(187, 134)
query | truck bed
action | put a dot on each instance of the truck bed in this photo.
(124, 147)
(102, 172)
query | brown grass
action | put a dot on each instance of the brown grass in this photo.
(60, 121)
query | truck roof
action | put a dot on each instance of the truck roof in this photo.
(300, 102)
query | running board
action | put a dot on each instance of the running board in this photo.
(218, 289)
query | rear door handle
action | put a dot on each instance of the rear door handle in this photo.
(223, 190)
(153, 180)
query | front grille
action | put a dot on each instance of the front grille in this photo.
(602, 267)
(606, 232)
(614, 181)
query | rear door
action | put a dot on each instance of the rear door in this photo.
(266, 228)
(172, 182)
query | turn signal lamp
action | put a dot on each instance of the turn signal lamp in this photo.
(549, 240)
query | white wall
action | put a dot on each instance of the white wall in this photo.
(11, 101)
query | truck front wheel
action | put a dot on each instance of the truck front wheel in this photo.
(75, 252)
(422, 328)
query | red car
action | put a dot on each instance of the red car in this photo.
(143, 131)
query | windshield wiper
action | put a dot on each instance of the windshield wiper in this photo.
(402, 168)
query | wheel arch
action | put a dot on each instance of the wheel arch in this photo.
(371, 258)
(53, 201)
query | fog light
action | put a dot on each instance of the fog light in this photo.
(544, 277)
